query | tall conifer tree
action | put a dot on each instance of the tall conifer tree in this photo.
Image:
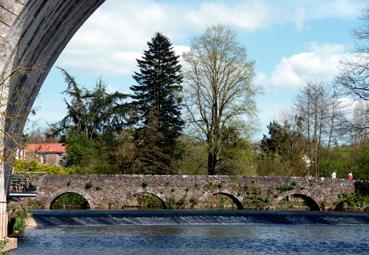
(157, 95)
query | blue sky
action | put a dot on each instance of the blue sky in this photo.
(291, 41)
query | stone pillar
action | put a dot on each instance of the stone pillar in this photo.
(3, 220)
(3, 211)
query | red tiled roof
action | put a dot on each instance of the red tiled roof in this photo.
(45, 148)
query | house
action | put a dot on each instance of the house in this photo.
(43, 152)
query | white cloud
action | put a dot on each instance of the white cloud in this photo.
(247, 15)
(320, 62)
(318, 9)
(116, 34)
(338, 8)
(299, 18)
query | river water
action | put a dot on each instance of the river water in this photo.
(196, 232)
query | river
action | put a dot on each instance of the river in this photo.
(196, 232)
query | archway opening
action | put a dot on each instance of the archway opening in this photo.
(144, 200)
(298, 202)
(69, 201)
(222, 201)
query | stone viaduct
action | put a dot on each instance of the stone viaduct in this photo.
(33, 33)
(112, 191)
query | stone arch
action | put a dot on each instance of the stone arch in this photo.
(306, 196)
(72, 193)
(63, 191)
(163, 203)
(234, 198)
(31, 46)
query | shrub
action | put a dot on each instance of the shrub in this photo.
(193, 201)
(2, 246)
(88, 185)
(145, 184)
(17, 224)
(287, 187)
(146, 200)
(70, 201)
(35, 204)
(33, 166)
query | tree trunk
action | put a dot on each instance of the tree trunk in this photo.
(212, 161)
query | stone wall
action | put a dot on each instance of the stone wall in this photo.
(112, 191)
(9, 11)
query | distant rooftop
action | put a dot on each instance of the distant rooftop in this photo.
(45, 148)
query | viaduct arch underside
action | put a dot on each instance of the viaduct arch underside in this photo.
(31, 43)
(32, 36)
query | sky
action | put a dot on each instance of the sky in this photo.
(291, 41)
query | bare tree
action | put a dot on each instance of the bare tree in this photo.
(324, 119)
(360, 122)
(218, 88)
(354, 75)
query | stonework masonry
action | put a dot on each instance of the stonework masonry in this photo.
(112, 191)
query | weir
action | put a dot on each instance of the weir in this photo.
(185, 217)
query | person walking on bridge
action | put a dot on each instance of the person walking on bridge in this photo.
(350, 177)
(334, 175)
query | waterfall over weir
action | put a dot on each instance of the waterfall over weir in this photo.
(192, 217)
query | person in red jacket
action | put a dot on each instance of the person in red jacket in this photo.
(350, 176)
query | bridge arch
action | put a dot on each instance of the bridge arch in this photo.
(235, 199)
(77, 200)
(63, 191)
(135, 194)
(304, 195)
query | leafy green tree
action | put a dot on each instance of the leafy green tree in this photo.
(361, 162)
(158, 104)
(341, 159)
(33, 166)
(92, 127)
(237, 156)
(283, 151)
(119, 151)
(153, 155)
(277, 136)
(92, 112)
(81, 151)
(194, 159)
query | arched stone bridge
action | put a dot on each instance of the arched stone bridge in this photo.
(112, 191)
